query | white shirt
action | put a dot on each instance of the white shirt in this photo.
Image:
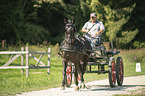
(94, 27)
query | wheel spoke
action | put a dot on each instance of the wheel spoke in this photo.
(113, 72)
(69, 78)
(69, 74)
(120, 71)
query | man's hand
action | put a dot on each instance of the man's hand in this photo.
(84, 30)
(97, 33)
(101, 31)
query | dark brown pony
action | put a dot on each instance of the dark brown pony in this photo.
(75, 50)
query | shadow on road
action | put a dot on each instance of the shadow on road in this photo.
(108, 88)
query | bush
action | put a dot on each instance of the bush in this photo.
(135, 55)
(138, 44)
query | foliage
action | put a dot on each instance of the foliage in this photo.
(136, 55)
(138, 44)
(115, 21)
(38, 20)
(15, 23)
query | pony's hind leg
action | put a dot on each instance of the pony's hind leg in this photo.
(76, 78)
(81, 80)
(82, 84)
(64, 75)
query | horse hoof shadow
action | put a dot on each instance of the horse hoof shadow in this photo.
(77, 88)
(62, 88)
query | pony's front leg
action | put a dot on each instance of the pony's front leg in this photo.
(83, 70)
(76, 78)
(85, 62)
(81, 82)
(64, 75)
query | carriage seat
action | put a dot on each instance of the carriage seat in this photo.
(112, 52)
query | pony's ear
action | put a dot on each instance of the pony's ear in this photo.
(65, 21)
(73, 20)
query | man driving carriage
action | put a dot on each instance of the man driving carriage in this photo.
(94, 30)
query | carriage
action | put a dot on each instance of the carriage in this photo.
(115, 69)
(97, 56)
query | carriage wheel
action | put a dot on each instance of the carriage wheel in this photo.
(112, 72)
(119, 71)
(68, 79)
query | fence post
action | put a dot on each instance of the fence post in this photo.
(27, 61)
(22, 60)
(49, 52)
(4, 44)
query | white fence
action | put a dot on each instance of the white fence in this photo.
(28, 53)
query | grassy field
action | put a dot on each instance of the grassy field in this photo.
(12, 82)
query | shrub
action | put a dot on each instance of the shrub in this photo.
(135, 55)
(138, 44)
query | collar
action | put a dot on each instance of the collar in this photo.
(95, 22)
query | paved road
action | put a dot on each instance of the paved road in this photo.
(95, 88)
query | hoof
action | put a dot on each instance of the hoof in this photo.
(83, 86)
(76, 88)
(62, 87)
(80, 85)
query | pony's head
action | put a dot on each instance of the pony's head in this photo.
(69, 32)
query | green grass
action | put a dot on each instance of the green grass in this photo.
(12, 82)
(130, 62)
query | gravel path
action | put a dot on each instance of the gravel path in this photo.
(95, 88)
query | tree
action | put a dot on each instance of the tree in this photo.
(117, 16)
(35, 21)
(18, 22)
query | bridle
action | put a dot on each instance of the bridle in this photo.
(69, 32)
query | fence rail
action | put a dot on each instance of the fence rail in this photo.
(27, 66)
